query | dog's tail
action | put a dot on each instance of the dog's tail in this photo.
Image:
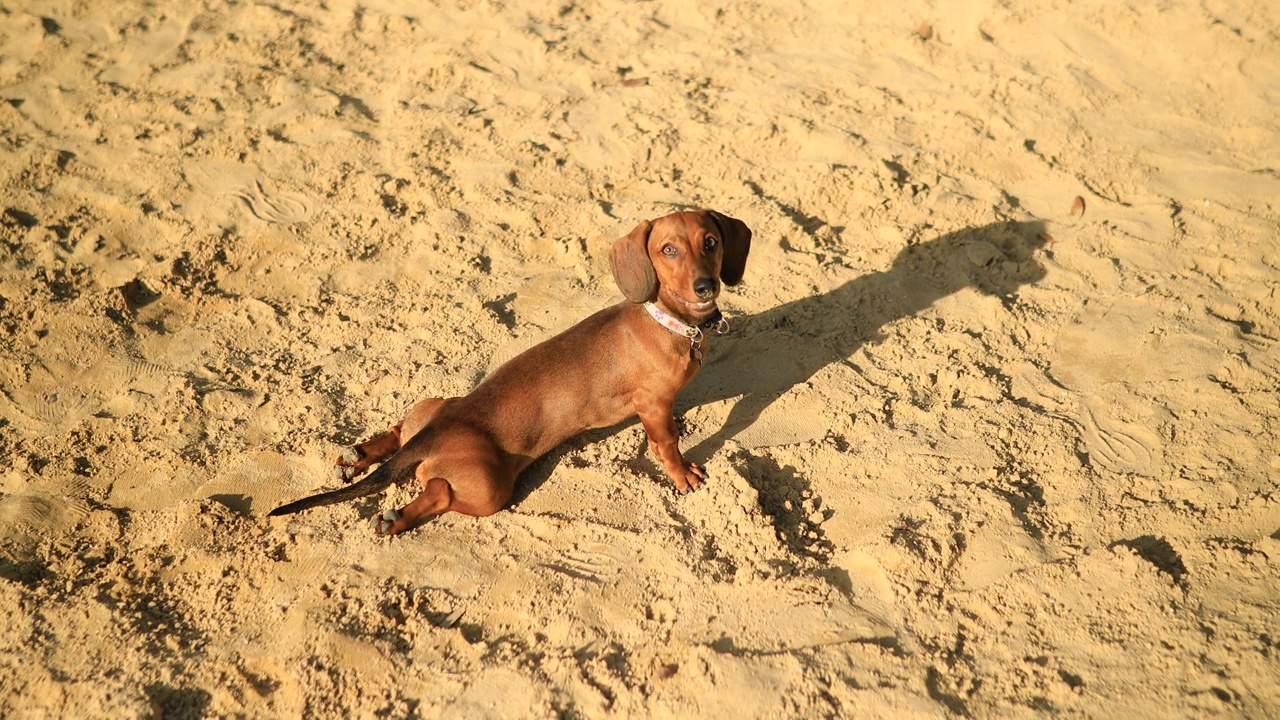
(387, 474)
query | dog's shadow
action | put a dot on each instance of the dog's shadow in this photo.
(766, 354)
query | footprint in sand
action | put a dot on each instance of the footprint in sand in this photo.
(58, 395)
(45, 408)
(260, 480)
(794, 418)
(38, 508)
(150, 488)
(274, 207)
(594, 562)
(1118, 446)
(265, 201)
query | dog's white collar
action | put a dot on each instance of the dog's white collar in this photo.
(695, 333)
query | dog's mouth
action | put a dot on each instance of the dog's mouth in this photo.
(701, 307)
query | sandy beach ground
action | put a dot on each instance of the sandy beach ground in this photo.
(977, 448)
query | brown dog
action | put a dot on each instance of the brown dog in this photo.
(626, 360)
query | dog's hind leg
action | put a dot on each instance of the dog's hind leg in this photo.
(356, 459)
(432, 501)
(475, 483)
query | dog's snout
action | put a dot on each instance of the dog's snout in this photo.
(705, 287)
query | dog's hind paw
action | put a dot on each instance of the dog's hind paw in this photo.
(349, 465)
(382, 523)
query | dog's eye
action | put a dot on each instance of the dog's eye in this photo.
(709, 242)
(669, 250)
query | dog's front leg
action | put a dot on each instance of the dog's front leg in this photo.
(657, 416)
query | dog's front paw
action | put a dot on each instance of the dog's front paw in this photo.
(689, 479)
(382, 523)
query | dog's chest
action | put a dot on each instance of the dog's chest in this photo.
(684, 359)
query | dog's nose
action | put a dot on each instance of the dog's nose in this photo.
(705, 287)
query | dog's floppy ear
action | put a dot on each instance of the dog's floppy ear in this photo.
(632, 268)
(736, 237)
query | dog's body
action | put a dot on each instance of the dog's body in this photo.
(620, 362)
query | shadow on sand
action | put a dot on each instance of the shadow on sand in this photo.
(768, 353)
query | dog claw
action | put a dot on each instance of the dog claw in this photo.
(382, 524)
(693, 480)
(348, 465)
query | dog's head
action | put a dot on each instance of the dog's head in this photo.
(681, 259)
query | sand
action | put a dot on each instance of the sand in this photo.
(977, 448)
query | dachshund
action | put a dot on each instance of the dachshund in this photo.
(628, 359)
